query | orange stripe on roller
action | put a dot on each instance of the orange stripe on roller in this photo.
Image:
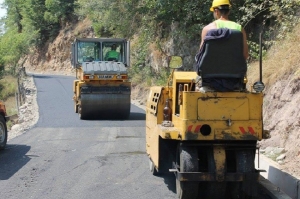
(197, 129)
(242, 130)
(251, 130)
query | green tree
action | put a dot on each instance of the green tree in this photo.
(14, 14)
(27, 25)
(12, 47)
(59, 11)
(111, 17)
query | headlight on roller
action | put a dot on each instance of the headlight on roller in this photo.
(258, 87)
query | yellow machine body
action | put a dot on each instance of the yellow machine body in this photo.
(217, 131)
(204, 125)
(230, 115)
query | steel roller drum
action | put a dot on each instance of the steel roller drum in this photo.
(105, 106)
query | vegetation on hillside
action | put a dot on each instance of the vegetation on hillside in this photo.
(30, 24)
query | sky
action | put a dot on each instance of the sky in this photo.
(2, 11)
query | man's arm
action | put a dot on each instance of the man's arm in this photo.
(203, 34)
(205, 30)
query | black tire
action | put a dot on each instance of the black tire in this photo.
(3, 133)
(188, 161)
(244, 164)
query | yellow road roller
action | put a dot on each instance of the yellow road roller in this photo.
(204, 126)
(102, 88)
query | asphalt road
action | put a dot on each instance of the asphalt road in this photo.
(65, 157)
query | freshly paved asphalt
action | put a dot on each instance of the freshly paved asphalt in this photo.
(65, 157)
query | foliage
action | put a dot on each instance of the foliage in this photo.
(162, 77)
(254, 50)
(126, 18)
(146, 76)
(154, 18)
(140, 72)
(32, 23)
(12, 47)
(117, 17)
(58, 11)
(273, 18)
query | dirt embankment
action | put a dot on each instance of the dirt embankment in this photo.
(281, 74)
(55, 57)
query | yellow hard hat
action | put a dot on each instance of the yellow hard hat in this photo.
(217, 3)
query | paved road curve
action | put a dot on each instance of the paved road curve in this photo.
(64, 157)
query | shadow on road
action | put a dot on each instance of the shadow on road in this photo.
(113, 117)
(169, 180)
(41, 76)
(137, 116)
(49, 76)
(12, 159)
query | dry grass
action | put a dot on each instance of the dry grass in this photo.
(11, 109)
(282, 60)
(8, 86)
(85, 24)
(11, 106)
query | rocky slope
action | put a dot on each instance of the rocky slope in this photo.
(55, 57)
(281, 74)
(281, 102)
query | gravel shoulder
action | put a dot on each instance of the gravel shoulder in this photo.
(28, 112)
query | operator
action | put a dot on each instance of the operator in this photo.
(112, 54)
(221, 10)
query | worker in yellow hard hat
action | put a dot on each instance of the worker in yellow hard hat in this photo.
(221, 10)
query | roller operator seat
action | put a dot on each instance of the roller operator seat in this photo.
(223, 66)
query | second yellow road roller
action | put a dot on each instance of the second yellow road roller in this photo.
(102, 88)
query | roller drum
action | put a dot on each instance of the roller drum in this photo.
(109, 105)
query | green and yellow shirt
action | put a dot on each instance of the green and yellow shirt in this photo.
(228, 24)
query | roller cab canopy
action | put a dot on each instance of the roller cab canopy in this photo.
(86, 50)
